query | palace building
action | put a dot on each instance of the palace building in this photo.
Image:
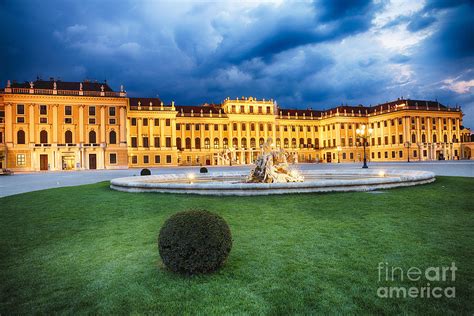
(58, 125)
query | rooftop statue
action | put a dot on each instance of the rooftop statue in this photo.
(272, 166)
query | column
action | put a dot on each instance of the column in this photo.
(81, 126)
(123, 129)
(8, 123)
(211, 128)
(173, 133)
(193, 143)
(32, 124)
(162, 134)
(55, 123)
(151, 125)
(103, 139)
(139, 132)
(239, 135)
(221, 138)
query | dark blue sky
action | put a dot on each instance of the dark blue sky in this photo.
(303, 54)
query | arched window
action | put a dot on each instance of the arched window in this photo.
(316, 143)
(198, 143)
(225, 143)
(216, 143)
(261, 141)
(68, 137)
(445, 138)
(43, 137)
(20, 137)
(455, 140)
(293, 142)
(252, 127)
(434, 138)
(188, 143)
(413, 138)
(301, 142)
(309, 142)
(423, 138)
(178, 143)
(244, 142)
(207, 143)
(92, 137)
(252, 143)
(286, 143)
(113, 137)
(235, 143)
(278, 143)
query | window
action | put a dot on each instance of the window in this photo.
(157, 142)
(168, 122)
(393, 154)
(413, 138)
(43, 120)
(146, 159)
(207, 143)
(197, 143)
(20, 159)
(384, 123)
(68, 110)
(386, 140)
(112, 111)
(206, 127)
(145, 122)
(386, 154)
(113, 137)
(43, 110)
(243, 126)
(134, 121)
(68, 120)
(157, 122)
(91, 110)
(216, 127)
(168, 141)
(234, 126)
(113, 158)
(393, 140)
(20, 119)
(43, 137)
(68, 137)
(20, 109)
(145, 141)
(188, 127)
(379, 155)
(400, 139)
(351, 155)
(268, 109)
(379, 140)
(134, 141)
(252, 127)
(178, 126)
(197, 127)
(216, 143)
(168, 158)
(20, 137)
(251, 109)
(92, 137)
(400, 154)
(434, 138)
(134, 160)
(157, 159)
(112, 121)
(91, 120)
(414, 153)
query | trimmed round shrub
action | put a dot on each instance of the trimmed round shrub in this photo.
(145, 172)
(203, 170)
(194, 242)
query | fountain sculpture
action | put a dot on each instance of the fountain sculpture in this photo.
(272, 166)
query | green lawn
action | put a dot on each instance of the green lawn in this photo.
(94, 250)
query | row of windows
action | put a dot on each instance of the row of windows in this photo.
(20, 110)
(146, 159)
(20, 137)
(251, 109)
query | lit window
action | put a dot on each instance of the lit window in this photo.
(20, 160)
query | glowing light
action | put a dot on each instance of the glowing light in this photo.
(294, 173)
(381, 173)
(191, 177)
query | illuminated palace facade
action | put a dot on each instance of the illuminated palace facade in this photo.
(57, 125)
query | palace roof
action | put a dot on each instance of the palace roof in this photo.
(64, 85)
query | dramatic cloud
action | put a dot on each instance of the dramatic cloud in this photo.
(315, 54)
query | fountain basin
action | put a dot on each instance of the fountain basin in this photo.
(232, 183)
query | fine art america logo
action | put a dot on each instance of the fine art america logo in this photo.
(436, 281)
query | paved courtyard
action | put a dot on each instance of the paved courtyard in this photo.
(26, 182)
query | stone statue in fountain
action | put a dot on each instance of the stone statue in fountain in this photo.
(272, 166)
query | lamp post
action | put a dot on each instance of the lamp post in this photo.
(408, 145)
(338, 153)
(364, 133)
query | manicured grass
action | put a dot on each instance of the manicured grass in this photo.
(89, 249)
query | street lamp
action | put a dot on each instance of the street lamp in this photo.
(338, 152)
(364, 133)
(408, 145)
